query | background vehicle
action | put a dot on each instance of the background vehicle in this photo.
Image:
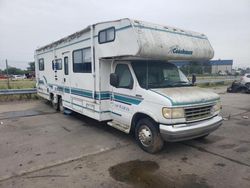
(245, 80)
(17, 77)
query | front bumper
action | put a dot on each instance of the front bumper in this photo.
(180, 132)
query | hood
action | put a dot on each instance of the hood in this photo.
(181, 96)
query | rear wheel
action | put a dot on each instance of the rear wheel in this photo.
(148, 136)
(61, 108)
(54, 103)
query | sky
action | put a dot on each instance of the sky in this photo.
(27, 24)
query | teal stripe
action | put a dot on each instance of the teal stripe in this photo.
(81, 93)
(45, 79)
(66, 90)
(86, 39)
(66, 101)
(60, 88)
(185, 103)
(41, 82)
(106, 111)
(104, 95)
(116, 113)
(126, 99)
(172, 102)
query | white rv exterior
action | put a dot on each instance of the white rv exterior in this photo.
(75, 73)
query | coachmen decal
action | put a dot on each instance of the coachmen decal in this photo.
(177, 50)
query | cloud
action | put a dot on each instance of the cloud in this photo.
(27, 24)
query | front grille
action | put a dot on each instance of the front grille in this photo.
(196, 113)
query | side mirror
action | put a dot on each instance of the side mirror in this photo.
(114, 79)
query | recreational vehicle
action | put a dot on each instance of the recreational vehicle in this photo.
(120, 72)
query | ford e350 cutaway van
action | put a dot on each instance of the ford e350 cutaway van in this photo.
(121, 72)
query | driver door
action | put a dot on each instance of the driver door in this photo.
(122, 96)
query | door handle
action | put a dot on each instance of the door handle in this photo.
(64, 79)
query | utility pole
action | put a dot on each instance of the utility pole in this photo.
(7, 71)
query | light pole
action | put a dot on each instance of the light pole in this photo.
(7, 71)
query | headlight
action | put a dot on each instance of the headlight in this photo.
(166, 112)
(216, 107)
(173, 113)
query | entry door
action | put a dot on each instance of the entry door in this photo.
(66, 80)
(123, 96)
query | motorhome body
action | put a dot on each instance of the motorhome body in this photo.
(119, 72)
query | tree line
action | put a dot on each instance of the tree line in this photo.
(17, 71)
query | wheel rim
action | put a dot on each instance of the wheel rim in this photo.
(145, 136)
(61, 105)
(54, 105)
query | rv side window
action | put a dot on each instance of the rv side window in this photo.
(102, 37)
(57, 65)
(124, 74)
(107, 35)
(66, 65)
(41, 64)
(82, 60)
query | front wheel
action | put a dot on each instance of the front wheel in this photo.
(148, 136)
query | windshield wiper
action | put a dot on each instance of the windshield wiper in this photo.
(151, 86)
(181, 83)
(173, 84)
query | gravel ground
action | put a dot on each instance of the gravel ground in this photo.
(42, 148)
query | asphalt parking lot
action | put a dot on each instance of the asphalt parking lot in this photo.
(42, 148)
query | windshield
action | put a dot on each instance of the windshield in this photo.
(158, 74)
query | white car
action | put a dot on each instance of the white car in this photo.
(18, 77)
(245, 80)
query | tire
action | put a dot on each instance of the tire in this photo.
(243, 89)
(248, 85)
(148, 136)
(54, 104)
(202, 137)
(61, 108)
